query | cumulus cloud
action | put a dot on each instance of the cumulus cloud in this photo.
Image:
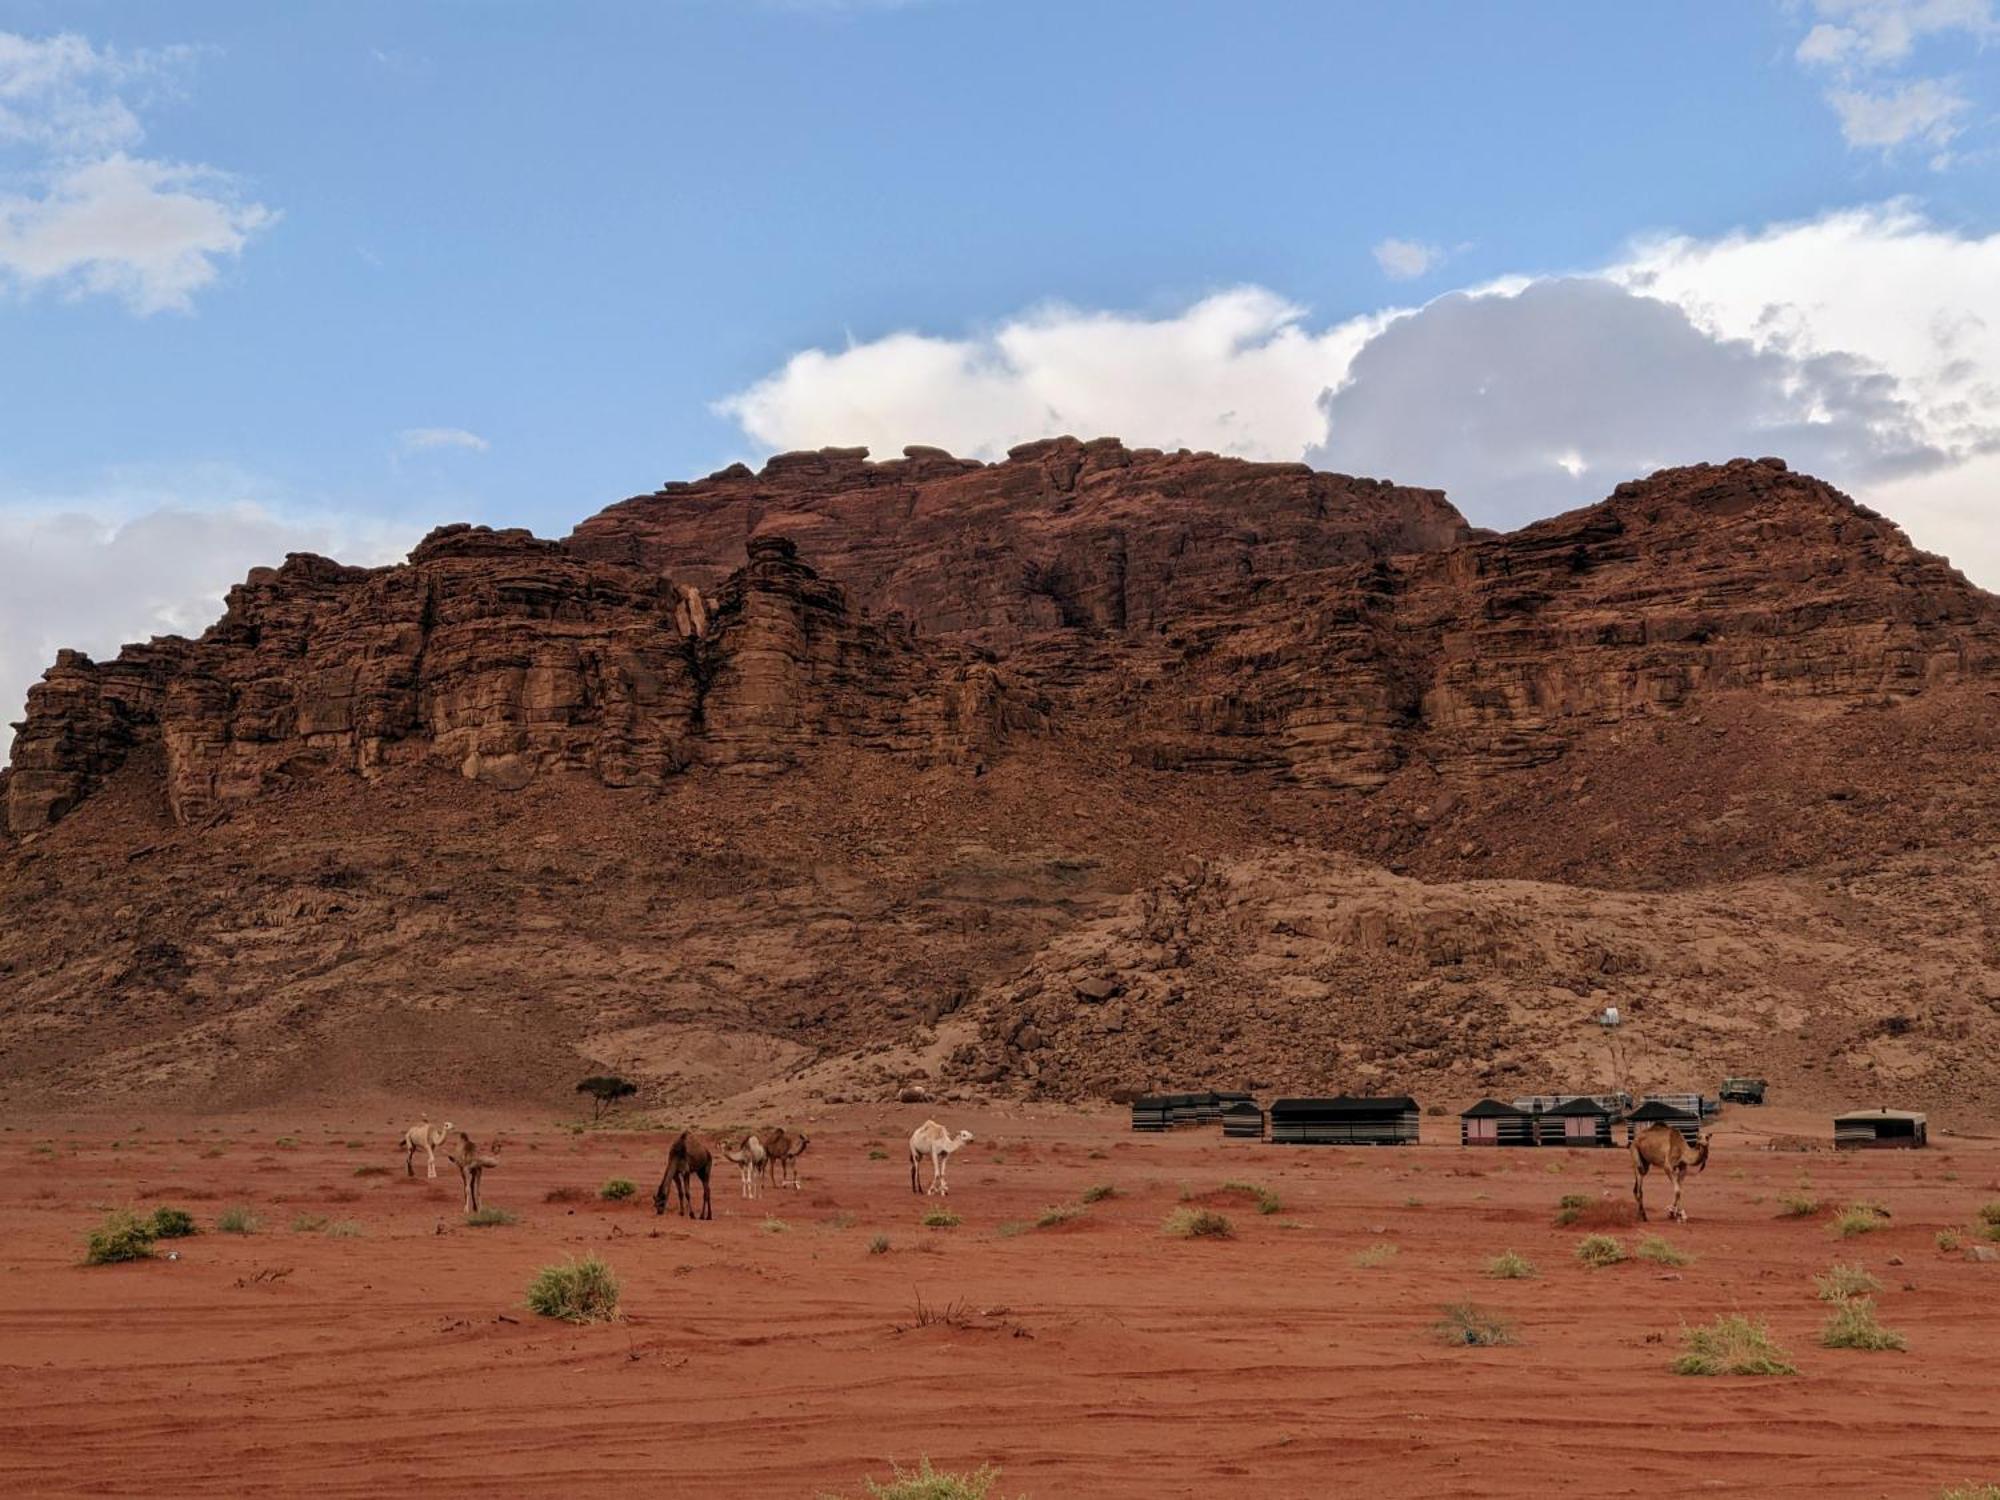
(1534, 402)
(95, 572)
(95, 218)
(1237, 372)
(1866, 48)
(418, 439)
(1405, 260)
(1862, 345)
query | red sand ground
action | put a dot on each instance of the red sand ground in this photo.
(1097, 1358)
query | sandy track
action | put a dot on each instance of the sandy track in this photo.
(1099, 1357)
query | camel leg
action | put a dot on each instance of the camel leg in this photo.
(913, 1172)
(1677, 1212)
(409, 1158)
(707, 1212)
(431, 1159)
(1639, 1187)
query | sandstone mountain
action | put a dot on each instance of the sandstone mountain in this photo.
(1092, 770)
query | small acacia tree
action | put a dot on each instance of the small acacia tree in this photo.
(605, 1092)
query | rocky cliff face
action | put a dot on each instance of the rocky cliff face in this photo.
(504, 657)
(859, 772)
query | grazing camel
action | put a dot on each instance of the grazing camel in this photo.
(464, 1154)
(933, 1140)
(425, 1137)
(1664, 1147)
(748, 1160)
(782, 1151)
(686, 1158)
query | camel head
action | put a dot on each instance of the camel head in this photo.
(800, 1149)
(1701, 1155)
(660, 1198)
(964, 1136)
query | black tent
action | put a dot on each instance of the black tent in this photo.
(1657, 1112)
(1582, 1121)
(1491, 1123)
(1345, 1120)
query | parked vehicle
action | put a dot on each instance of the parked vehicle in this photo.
(1743, 1090)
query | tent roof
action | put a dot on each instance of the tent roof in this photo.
(1345, 1104)
(1579, 1106)
(1493, 1109)
(1864, 1115)
(1653, 1109)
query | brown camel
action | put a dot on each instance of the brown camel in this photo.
(686, 1158)
(1664, 1147)
(464, 1155)
(782, 1151)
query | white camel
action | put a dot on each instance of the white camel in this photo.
(933, 1140)
(424, 1137)
(749, 1161)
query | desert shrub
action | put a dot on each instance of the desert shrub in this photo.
(343, 1229)
(287, 1143)
(842, 1220)
(1971, 1492)
(489, 1218)
(1599, 1250)
(577, 1291)
(237, 1221)
(308, 1223)
(1378, 1254)
(1661, 1251)
(879, 1245)
(1799, 1203)
(941, 1218)
(371, 1171)
(1581, 1210)
(926, 1483)
(1853, 1326)
(122, 1236)
(616, 1189)
(1267, 1201)
(1732, 1345)
(1948, 1240)
(1989, 1214)
(1197, 1224)
(1099, 1193)
(1859, 1218)
(774, 1225)
(605, 1091)
(1510, 1265)
(1464, 1323)
(1841, 1282)
(171, 1224)
(565, 1195)
(1062, 1213)
(878, 1154)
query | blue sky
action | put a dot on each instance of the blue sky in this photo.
(328, 275)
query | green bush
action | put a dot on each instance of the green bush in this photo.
(1464, 1323)
(172, 1224)
(1853, 1326)
(1661, 1251)
(1800, 1203)
(236, 1221)
(343, 1229)
(1099, 1193)
(578, 1291)
(1378, 1254)
(1570, 1207)
(1948, 1240)
(122, 1236)
(489, 1218)
(1599, 1250)
(941, 1218)
(879, 1245)
(1732, 1345)
(926, 1483)
(1860, 1218)
(1841, 1282)
(1051, 1218)
(1509, 1265)
(1267, 1201)
(308, 1223)
(1197, 1224)
(616, 1189)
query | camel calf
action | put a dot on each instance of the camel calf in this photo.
(748, 1159)
(686, 1158)
(1664, 1147)
(472, 1166)
(933, 1140)
(424, 1137)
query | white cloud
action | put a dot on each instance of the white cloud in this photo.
(418, 439)
(134, 560)
(1405, 260)
(1865, 46)
(1863, 345)
(1237, 372)
(96, 218)
(1927, 109)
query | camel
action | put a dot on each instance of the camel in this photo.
(1664, 1147)
(932, 1139)
(425, 1137)
(782, 1151)
(748, 1159)
(464, 1154)
(686, 1158)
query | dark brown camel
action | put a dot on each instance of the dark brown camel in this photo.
(686, 1158)
(1664, 1147)
(782, 1151)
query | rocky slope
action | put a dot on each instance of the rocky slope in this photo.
(1089, 770)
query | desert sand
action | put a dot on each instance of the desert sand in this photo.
(770, 1352)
